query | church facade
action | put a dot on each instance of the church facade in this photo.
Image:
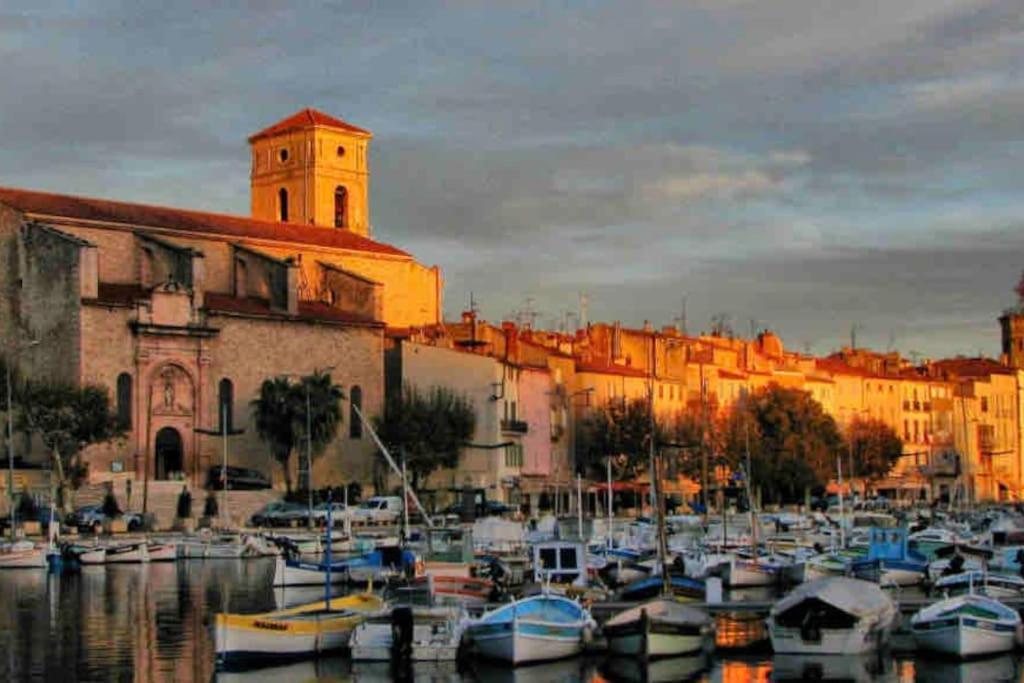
(182, 314)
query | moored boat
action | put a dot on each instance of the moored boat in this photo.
(967, 626)
(128, 553)
(162, 552)
(534, 629)
(659, 628)
(890, 561)
(22, 555)
(986, 583)
(417, 634)
(304, 631)
(832, 616)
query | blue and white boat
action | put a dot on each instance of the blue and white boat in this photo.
(682, 587)
(890, 561)
(378, 565)
(967, 626)
(534, 629)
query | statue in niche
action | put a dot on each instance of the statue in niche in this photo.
(172, 393)
(168, 389)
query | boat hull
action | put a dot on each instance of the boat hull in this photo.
(23, 559)
(304, 574)
(853, 641)
(242, 640)
(740, 574)
(525, 641)
(966, 637)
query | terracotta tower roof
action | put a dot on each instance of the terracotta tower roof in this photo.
(308, 118)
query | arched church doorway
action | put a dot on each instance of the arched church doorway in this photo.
(169, 453)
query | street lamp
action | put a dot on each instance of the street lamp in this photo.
(10, 430)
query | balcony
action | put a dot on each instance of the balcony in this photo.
(514, 426)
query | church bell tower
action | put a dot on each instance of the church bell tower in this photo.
(312, 169)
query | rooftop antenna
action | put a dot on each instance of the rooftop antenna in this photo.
(681, 320)
(584, 302)
(753, 328)
(892, 339)
(807, 346)
(853, 334)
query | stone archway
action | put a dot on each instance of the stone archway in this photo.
(170, 453)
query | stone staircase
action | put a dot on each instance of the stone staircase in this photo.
(162, 500)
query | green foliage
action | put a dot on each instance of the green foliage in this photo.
(27, 507)
(110, 507)
(793, 443)
(876, 447)
(67, 419)
(211, 508)
(279, 412)
(429, 429)
(184, 504)
(621, 430)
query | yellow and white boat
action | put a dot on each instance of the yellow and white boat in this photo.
(305, 631)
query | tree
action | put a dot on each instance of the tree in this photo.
(793, 443)
(67, 419)
(876, 447)
(429, 429)
(279, 412)
(620, 430)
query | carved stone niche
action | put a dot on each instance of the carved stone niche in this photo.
(172, 392)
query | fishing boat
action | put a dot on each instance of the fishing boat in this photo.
(22, 555)
(417, 634)
(440, 589)
(162, 552)
(304, 631)
(76, 553)
(749, 572)
(128, 553)
(227, 547)
(832, 616)
(682, 587)
(378, 565)
(890, 561)
(966, 626)
(659, 628)
(534, 629)
(986, 583)
(819, 566)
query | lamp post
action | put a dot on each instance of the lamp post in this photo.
(10, 430)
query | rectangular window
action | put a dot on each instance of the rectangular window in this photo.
(984, 404)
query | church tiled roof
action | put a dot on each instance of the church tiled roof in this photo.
(308, 118)
(45, 204)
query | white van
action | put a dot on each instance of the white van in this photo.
(380, 509)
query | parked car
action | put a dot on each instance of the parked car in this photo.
(238, 479)
(278, 513)
(339, 511)
(92, 518)
(485, 508)
(379, 510)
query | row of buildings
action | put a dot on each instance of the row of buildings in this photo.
(183, 314)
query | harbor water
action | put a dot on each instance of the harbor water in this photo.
(153, 623)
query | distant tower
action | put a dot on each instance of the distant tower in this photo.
(1012, 324)
(312, 168)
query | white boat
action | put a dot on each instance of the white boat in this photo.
(749, 572)
(985, 583)
(659, 628)
(22, 555)
(967, 626)
(129, 553)
(378, 565)
(304, 631)
(832, 616)
(162, 552)
(87, 554)
(534, 629)
(433, 635)
(560, 562)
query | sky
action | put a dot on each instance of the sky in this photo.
(811, 167)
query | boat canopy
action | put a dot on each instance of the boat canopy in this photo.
(854, 597)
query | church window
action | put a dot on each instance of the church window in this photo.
(124, 400)
(340, 207)
(283, 154)
(226, 404)
(341, 151)
(282, 205)
(355, 425)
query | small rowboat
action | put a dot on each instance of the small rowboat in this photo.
(249, 639)
(23, 555)
(535, 629)
(659, 628)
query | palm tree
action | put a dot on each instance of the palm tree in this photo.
(274, 415)
(280, 415)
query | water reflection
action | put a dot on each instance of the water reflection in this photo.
(152, 623)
